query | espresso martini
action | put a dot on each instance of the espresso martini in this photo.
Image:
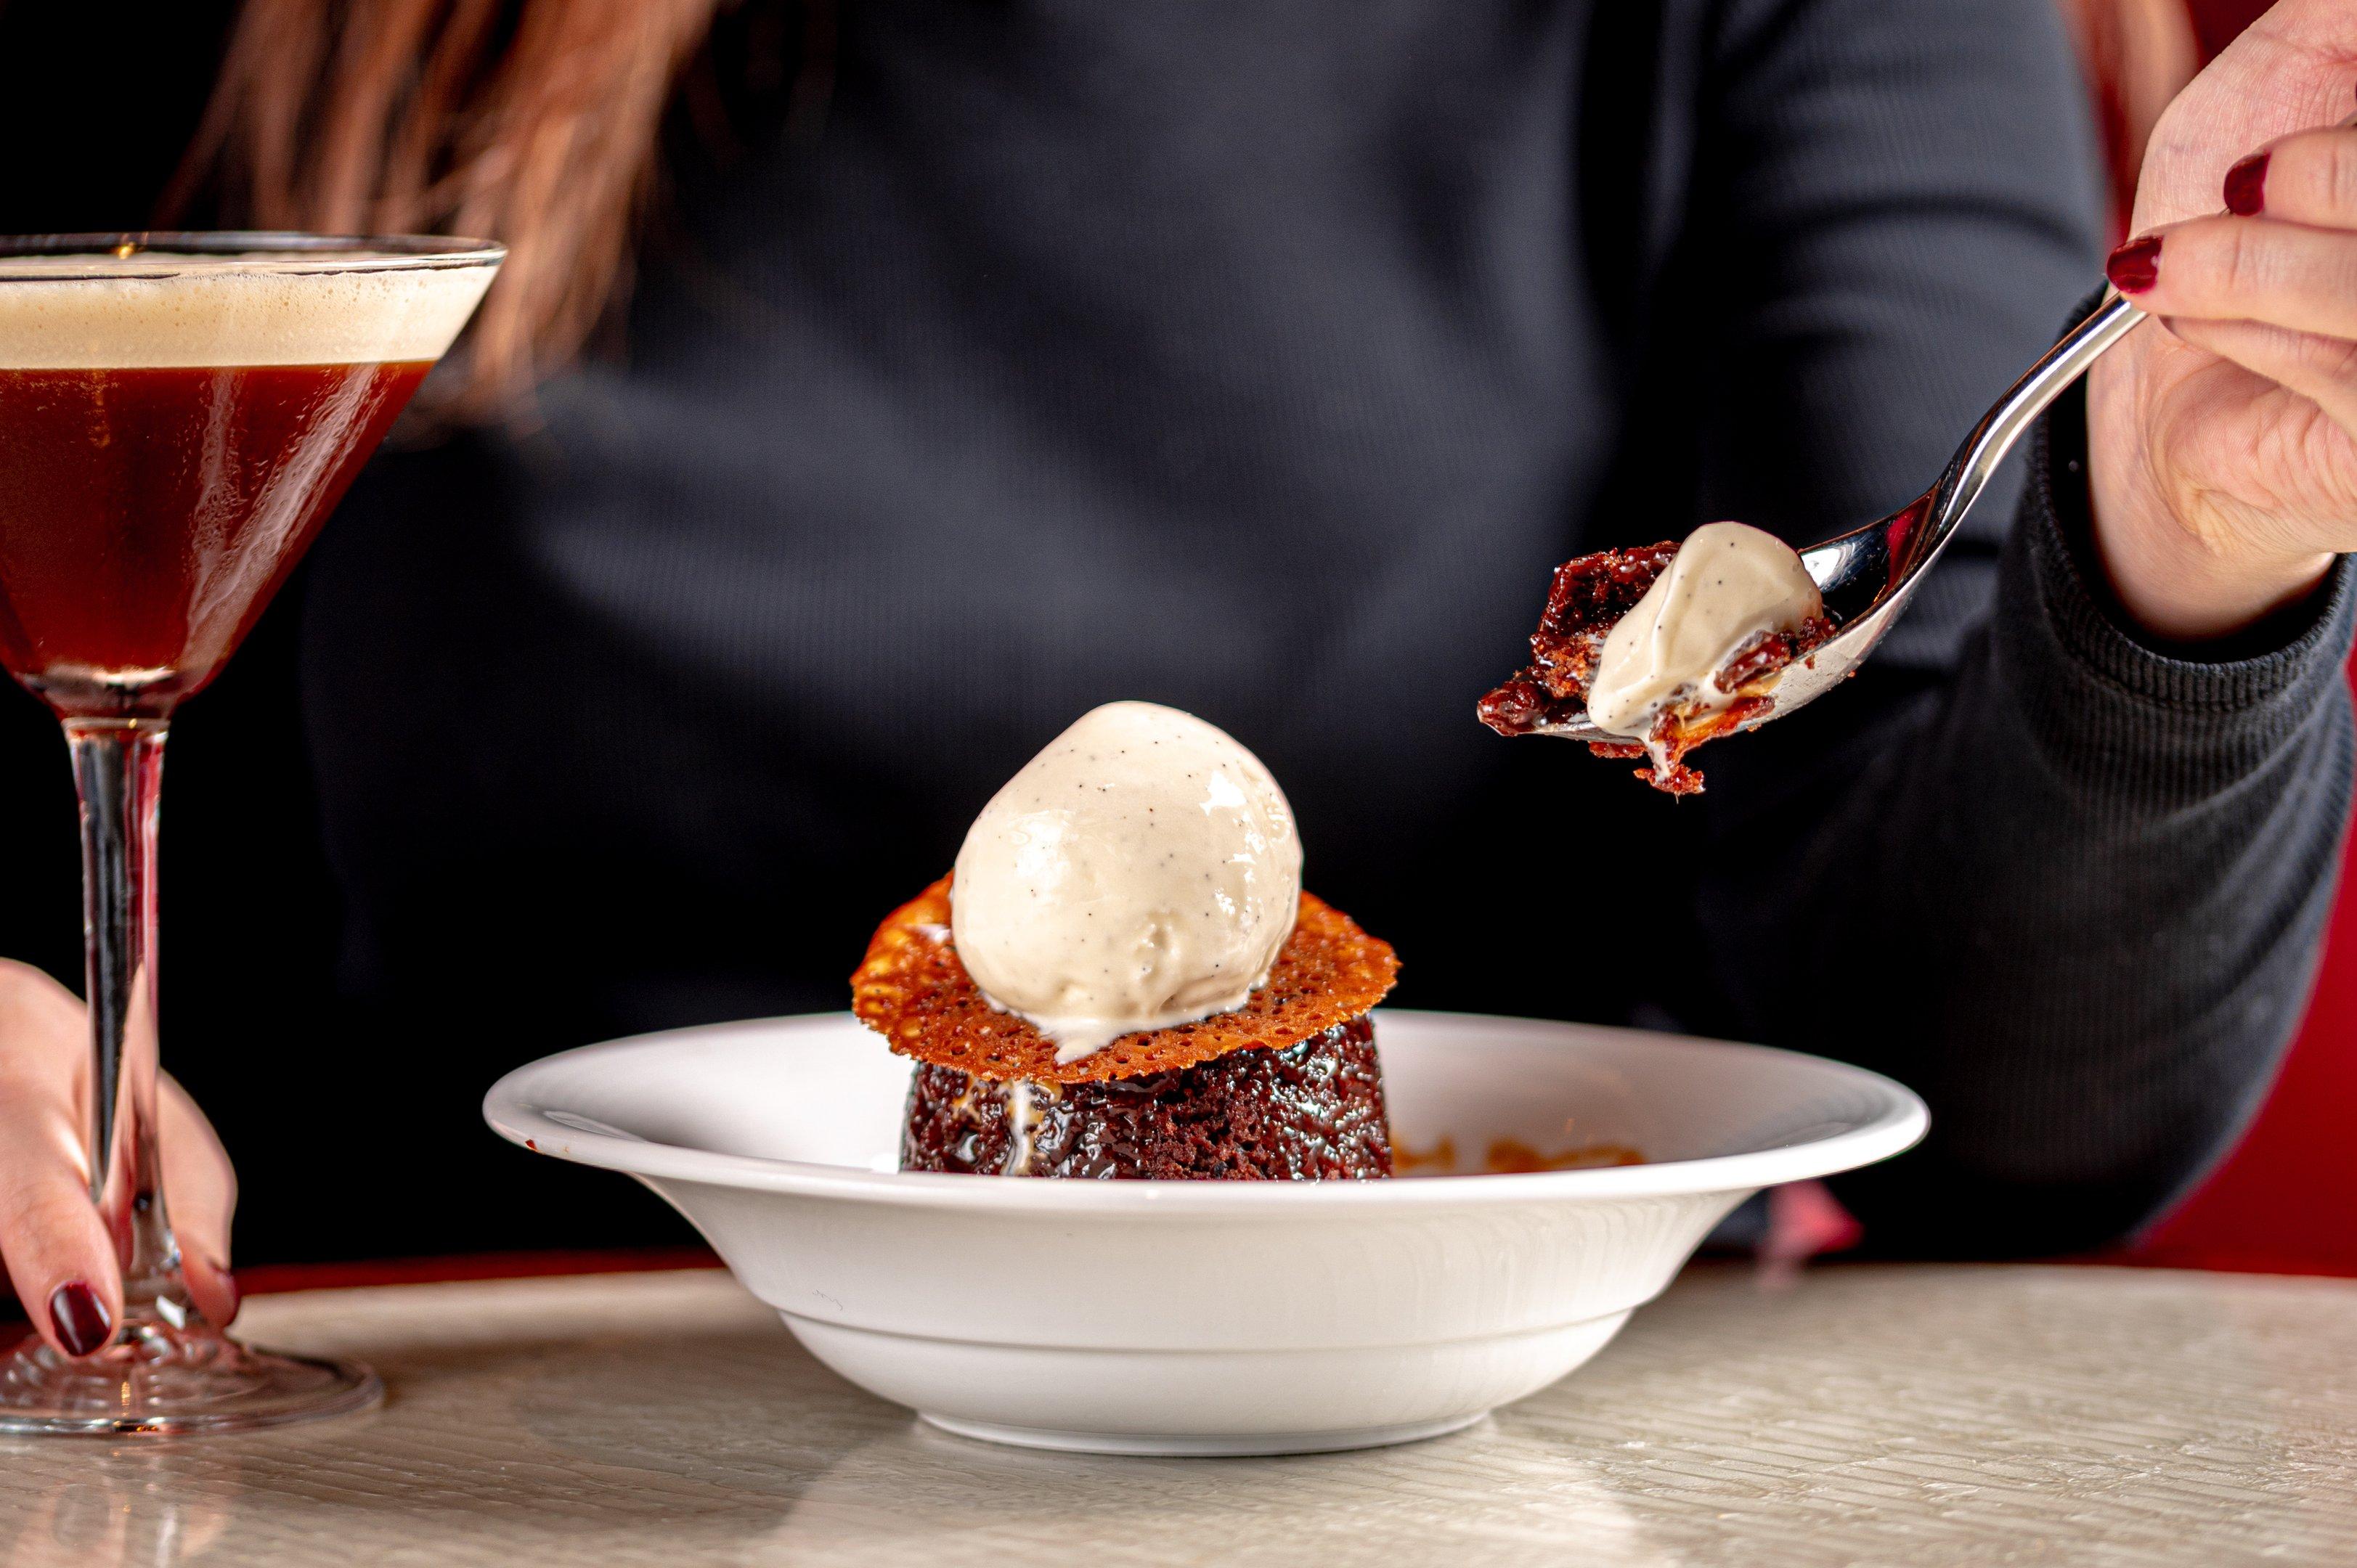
(170, 441)
(178, 414)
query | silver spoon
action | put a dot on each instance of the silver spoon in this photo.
(1867, 575)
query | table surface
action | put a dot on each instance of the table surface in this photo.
(1864, 1414)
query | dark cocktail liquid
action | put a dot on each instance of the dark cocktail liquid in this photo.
(146, 516)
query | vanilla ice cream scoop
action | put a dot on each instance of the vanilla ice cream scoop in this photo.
(1140, 872)
(1727, 583)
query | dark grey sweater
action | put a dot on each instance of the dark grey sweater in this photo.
(1261, 359)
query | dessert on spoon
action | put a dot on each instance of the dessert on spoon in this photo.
(1650, 651)
(1663, 647)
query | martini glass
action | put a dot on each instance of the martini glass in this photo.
(178, 413)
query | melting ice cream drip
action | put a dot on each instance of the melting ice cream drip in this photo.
(1727, 585)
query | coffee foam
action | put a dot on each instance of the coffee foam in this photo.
(220, 311)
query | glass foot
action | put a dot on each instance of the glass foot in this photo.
(160, 1379)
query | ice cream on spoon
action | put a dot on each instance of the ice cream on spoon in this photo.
(1728, 586)
(1652, 650)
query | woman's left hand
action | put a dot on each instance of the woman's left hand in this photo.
(2222, 451)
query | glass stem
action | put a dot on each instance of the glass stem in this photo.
(119, 774)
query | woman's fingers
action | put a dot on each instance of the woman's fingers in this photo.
(2322, 369)
(2285, 252)
(2308, 178)
(58, 1256)
(2245, 269)
(201, 1186)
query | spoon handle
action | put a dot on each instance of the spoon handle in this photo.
(1969, 470)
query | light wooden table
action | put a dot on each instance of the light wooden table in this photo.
(1868, 1415)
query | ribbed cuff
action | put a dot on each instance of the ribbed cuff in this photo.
(2110, 708)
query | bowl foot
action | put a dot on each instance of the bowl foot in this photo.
(1205, 1445)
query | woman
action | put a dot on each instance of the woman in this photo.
(985, 363)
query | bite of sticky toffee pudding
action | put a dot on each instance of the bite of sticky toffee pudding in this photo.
(1669, 645)
(1165, 1001)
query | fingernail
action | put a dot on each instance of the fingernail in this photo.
(2246, 186)
(78, 1318)
(229, 1283)
(2135, 267)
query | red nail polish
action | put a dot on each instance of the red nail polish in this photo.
(2246, 186)
(80, 1318)
(229, 1283)
(2135, 267)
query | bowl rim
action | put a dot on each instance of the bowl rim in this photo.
(515, 1109)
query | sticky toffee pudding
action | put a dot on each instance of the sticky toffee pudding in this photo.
(1185, 1010)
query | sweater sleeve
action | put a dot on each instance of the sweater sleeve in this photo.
(2072, 890)
(2068, 885)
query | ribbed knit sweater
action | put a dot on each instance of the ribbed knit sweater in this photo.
(1260, 360)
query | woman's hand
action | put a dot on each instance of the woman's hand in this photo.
(59, 1255)
(2222, 452)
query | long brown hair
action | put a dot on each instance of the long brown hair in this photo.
(535, 121)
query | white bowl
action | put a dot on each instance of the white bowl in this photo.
(1209, 1317)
